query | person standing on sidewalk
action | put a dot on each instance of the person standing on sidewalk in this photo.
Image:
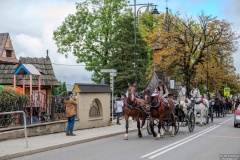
(70, 103)
(119, 110)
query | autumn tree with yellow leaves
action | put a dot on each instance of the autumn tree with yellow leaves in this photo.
(184, 46)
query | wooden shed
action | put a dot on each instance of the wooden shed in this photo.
(93, 108)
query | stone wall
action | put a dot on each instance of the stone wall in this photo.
(37, 129)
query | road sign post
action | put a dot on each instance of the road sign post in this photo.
(112, 74)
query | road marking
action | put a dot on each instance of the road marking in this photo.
(178, 143)
(226, 120)
(222, 136)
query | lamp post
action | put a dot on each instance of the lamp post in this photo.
(155, 12)
(208, 97)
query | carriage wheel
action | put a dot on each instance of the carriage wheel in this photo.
(191, 123)
(166, 126)
(176, 126)
(148, 127)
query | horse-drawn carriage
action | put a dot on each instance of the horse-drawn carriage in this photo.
(186, 119)
(157, 111)
(202, 106)
(167, 123)
(218, 106)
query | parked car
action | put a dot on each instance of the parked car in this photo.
(237, 117)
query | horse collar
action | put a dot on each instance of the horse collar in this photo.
(131, 105)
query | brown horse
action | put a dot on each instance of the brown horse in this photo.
(134, 107)
(161, 109)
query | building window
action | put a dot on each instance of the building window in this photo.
(95, 108)
(8, 53)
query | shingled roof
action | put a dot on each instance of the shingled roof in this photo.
(43, 65)
(91, 88)
(6, 46)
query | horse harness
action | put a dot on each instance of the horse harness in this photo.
(135, 105)
(159, 100)
(201, 101)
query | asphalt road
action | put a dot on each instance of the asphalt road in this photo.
(216, 140)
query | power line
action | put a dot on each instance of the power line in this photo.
(69, 64)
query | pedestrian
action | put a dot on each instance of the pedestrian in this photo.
(70, 103)
(119, 108)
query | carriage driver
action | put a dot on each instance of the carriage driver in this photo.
(163, 91)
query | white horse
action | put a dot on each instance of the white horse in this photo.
(201, 104)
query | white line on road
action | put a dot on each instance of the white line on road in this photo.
(158, 154)
(226, 120)
(203, 131)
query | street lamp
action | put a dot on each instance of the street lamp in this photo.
(155, 12)
(208, 96)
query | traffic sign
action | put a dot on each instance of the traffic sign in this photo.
(108, 70)
(172, 84)
(227, 92)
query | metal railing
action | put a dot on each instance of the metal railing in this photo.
(39, 108)
(25, 124)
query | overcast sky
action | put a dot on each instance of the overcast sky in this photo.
(31, 23)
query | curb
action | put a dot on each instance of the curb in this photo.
(56, 146)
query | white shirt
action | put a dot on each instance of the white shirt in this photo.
(119, 106)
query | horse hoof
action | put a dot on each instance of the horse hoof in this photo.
(154, 134)
(126, 137)
(161, 136)
(140, 135)
(158, 138)
(172, 135)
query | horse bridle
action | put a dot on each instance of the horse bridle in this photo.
(157, 103)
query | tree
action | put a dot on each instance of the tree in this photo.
(122, 57)
(60, 89)
(88, 34)
(185, 45)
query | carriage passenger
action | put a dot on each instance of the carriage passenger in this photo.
(162, 89)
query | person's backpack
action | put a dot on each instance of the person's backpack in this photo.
(116, 105)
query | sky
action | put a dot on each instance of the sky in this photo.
(31, 23)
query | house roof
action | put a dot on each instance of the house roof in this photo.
(3, 40)
(43, 65)
(152, 83)
(26, 69)
(91, 88)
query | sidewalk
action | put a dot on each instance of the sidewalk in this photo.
(17, 147)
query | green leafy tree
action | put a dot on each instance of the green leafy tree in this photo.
(60, 89)
(123, 56)
(88, 34)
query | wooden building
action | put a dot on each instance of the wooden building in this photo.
(9, 64)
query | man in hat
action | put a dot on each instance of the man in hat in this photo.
(162, 89)
(70, 103)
